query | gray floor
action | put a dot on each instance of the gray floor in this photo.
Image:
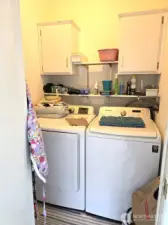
(61, 216)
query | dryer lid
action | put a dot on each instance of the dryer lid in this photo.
(62, 124)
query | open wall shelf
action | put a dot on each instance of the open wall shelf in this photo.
(96, 63)
(111, 96)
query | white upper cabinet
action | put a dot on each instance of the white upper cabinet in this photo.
(141, 42)
(57, 42)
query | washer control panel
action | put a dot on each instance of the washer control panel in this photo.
(124, 111)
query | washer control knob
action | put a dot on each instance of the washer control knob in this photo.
(123, 113)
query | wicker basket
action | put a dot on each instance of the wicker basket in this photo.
(108, 54)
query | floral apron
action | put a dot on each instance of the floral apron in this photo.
(37, 151)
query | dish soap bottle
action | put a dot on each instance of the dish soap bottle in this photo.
(121, 88)
(96, 88)
(133, 85)
(116, 84)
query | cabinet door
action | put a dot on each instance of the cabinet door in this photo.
(55, 41)
(140, 43)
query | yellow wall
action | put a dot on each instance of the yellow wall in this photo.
(98, 19)
(31, 12)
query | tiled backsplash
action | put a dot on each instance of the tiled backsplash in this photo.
(98, 73)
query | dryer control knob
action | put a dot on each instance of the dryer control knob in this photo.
(123, 113)
(71, 110)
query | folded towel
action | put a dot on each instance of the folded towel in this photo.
(122, 121)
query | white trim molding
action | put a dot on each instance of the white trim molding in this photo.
(143, 12)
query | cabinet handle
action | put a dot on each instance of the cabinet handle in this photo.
(67, 62)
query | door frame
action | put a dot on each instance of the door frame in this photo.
(162, 199)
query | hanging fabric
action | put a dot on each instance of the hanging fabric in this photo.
(34, 195)
(37, 151)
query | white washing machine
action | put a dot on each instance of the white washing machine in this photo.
(65, 148)
(119, 161)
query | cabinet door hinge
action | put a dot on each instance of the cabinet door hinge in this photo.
(40, 32)
(162, 20)
(157, 65)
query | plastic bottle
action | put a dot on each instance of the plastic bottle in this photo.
(116, 84)
(96, 88)
(133, 85)
(121, 88)
(128, 88)
(142, 87)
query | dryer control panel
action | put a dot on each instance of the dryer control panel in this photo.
(81, 109)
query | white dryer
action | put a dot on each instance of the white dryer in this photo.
(119, 161)
(65, 149)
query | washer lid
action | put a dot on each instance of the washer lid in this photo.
(148, 132)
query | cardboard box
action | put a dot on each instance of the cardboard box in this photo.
(144, 203)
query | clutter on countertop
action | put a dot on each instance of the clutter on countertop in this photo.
(108, 54)
(144, 203)
(54, 106)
